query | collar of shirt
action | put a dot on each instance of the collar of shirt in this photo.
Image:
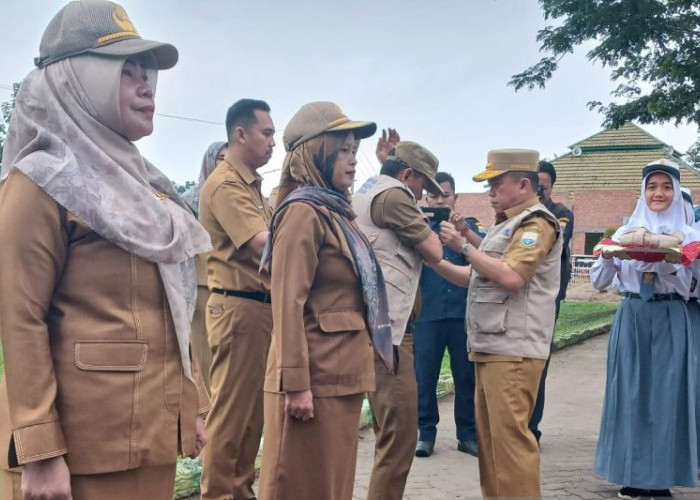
(248, 176)
(516, 210)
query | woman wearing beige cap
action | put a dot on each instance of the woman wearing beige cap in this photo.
(97, 282)
(328, 308)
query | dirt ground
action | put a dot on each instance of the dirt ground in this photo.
(585, 292)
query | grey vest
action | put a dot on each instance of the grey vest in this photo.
(401, 265)
(519, 323)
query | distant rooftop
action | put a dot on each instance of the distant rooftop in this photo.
(614, 158)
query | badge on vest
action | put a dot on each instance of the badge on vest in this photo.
(506, 233)
(528, 239)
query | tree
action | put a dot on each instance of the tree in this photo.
(652, 46)
(6, 108)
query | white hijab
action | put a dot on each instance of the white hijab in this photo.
(671, 220)
(66, 135)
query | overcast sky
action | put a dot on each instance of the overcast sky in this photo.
(436, 71)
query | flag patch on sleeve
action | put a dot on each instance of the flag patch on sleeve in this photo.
(529, 239)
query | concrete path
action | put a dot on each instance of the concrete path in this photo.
(575, 388)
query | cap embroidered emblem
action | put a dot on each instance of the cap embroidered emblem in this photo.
(121, 19)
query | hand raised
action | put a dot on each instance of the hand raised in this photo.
(386, 143)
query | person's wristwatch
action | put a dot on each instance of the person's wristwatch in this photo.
(465, 248)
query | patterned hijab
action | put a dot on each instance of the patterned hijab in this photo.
(191, 196)
(306, 178)
(66, 135)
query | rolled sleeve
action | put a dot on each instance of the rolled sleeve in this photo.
(529, 245)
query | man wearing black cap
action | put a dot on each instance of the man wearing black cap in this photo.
(402, 239)
(547, 177)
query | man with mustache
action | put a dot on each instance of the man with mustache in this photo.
(238, 315)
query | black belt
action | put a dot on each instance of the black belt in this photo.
(259, 296)
(657, 296)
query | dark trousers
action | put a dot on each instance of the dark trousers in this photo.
(430, 339)
(538, 411)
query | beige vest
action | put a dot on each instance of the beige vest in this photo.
(401, 265)
(519, 323)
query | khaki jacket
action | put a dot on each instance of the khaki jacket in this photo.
(401, 265)
(518, 323)
(92, 366)
(320, 339)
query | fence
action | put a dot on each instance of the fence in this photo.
(581, 268)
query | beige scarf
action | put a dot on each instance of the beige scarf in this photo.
(66, 135)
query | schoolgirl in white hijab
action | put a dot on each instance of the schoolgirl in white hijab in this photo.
(670, 278)
(648, 433)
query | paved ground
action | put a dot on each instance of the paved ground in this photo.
(570, 430)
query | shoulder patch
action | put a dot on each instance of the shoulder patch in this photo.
(529, 237)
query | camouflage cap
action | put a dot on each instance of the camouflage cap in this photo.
(97, 27)
(316, 118)
(415, 156)
(500, 161)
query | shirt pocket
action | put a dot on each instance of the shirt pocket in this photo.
(111, 355)
(489, 310)
(344, 321)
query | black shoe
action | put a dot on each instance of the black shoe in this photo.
(632, 493)
(660, 493)
(424, 448)
(469, 446)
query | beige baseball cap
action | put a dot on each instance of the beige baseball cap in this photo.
(415, 156)
(500, 161)
(97, 27)
(317, 118)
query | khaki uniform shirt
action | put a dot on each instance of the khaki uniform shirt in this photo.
(233, 210)
(524, 259)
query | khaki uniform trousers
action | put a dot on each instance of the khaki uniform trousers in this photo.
(509, 458)
(200, 343)
(313, 459)
(155, 482)
(394, 407)
(239, 333)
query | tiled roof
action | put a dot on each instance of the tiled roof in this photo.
(627, 135)
(613, 159)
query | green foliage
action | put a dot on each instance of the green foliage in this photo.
(609, 231)
(652, 47)
(181, 189)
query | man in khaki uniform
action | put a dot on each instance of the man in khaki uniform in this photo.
(401, 238)
(510, 319)
(238, 316)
